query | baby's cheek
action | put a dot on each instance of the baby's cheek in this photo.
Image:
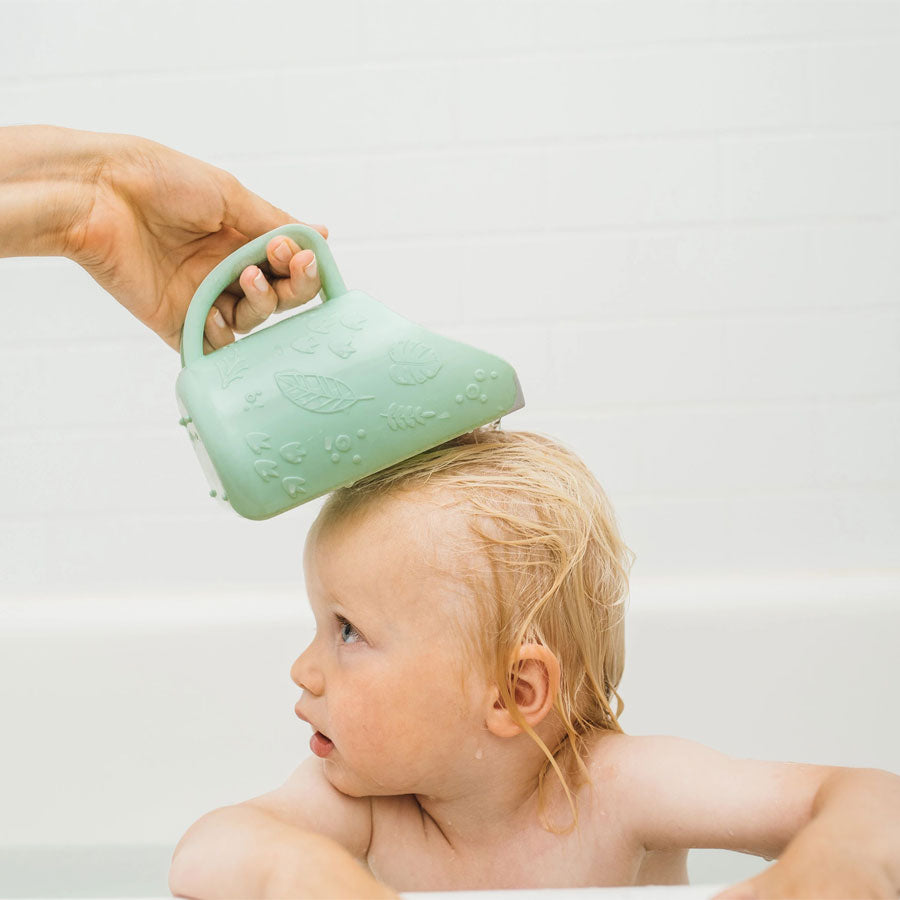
(364, 717)
(382, 721)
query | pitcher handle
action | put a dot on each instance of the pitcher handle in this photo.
(230, 269)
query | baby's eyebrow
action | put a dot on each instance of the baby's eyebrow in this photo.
(360, 607)
(327, 600)
(337, 598)
(339, 604)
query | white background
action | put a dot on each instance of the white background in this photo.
(678, 221)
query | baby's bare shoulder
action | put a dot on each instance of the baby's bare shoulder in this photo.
(625, 772)
(614, 755)
(634, 768)
(307, 800)
(615, 758)
(671, 792)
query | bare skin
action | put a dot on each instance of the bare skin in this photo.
(423, 778)
(601, 852)
(148, 223)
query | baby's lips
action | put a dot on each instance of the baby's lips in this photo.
(300, 715)
(321, 745)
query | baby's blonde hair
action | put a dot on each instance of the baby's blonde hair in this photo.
(558, 572)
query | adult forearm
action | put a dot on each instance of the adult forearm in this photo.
(240, 851)
(46, 179)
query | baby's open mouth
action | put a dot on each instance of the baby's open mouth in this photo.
(320, 744)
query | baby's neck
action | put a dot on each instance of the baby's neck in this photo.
(493, 795)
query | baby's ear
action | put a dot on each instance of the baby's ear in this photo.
(535, 675)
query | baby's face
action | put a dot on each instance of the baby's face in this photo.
(381, 680)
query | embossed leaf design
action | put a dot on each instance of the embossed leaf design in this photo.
(406, 416)
(413, 362)
(231, 367)
(316, 393)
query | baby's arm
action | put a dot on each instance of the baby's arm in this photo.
(304, 839)
(835, 831)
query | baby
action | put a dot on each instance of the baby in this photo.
(461, 690)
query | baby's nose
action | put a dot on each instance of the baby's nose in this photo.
(306, 675)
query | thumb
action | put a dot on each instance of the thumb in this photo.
(252, 216)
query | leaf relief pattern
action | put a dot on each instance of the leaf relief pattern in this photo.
(406, 416)
(317, 393)
(413, 362)
(231, 366)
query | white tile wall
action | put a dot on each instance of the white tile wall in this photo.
(679, 222)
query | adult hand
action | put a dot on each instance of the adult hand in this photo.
(157, 223)
(148, 223)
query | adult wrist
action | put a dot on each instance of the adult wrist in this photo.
(48, 176)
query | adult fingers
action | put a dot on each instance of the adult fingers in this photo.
(258, 303)
(280, 252)
(302, 283)
(230, 315)
(216, 333)
(260, 296)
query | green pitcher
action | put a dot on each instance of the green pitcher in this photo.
(323, 398)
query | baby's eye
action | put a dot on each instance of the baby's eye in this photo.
(349, 634)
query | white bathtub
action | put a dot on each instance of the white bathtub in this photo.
(126, 718)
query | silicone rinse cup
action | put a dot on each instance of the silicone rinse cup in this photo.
(327, 396)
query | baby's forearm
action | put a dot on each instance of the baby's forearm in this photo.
(240, 851)
(45, 185)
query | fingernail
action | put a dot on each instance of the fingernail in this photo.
(217, 318)
(283, 252)
(260, 282)
(312, 269)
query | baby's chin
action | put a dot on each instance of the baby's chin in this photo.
(354, 784)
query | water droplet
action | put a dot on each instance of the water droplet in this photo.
(361, 432)
(484, 398)
(479, 753)
(342, 442)
(212, 493)
(479, 374)
(493, 374)
(472, 390)
(459, 398)
(335, 457)
(357, 458)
